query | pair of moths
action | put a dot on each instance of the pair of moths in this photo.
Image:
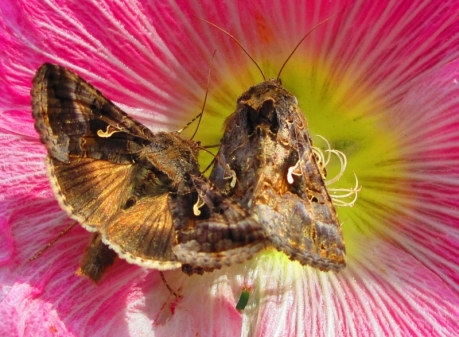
(144, 198)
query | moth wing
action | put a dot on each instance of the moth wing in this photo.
(74, 118)
(215, 232)
(91, 191)
(302, 222)
(101, 196)
(143, 233)
(304, 239)
(99, 171)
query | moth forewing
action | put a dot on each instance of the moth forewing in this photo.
(222, 229)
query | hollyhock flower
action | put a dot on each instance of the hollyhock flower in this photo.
(379, 81)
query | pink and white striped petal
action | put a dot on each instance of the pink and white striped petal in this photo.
(379, 80)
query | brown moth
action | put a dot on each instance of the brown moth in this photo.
(141, 193)
(267, 145)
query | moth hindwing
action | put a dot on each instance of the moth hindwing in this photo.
(141, 192)
(267, 145)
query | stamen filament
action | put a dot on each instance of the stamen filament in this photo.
(337, 194)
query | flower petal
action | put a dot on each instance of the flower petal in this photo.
(375, 80)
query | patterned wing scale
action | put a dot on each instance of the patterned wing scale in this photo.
(143, 233)
(100, 172)
(74, 118)
(218, 232)
(91, 191)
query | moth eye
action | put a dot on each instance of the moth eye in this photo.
(130, 202)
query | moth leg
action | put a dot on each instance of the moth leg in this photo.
(97, 258)
(163, 278)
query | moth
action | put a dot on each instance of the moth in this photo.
(267, 145)
(141, 193)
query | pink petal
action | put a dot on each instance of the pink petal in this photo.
(423, 217)
(384, 291)
(391, 64)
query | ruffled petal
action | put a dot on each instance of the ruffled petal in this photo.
(383, 291)
(379, 80)
(416, 199)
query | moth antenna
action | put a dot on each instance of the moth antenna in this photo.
(204, 148)
(61, 234)
(190, 122)
(210, 146)
(238, 43)
(204, 104)
(213, 160)
(232, 174)
(304, 37)
(205, 96)
(168, 286)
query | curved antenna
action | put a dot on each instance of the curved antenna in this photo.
(238, 43)
(299, 43)
(210, 146)
(204, 103)
(225, 167)
(205, 97)
(204, 148)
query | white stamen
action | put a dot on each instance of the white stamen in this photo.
(343, 160)
(340, 193)
(325, 161)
